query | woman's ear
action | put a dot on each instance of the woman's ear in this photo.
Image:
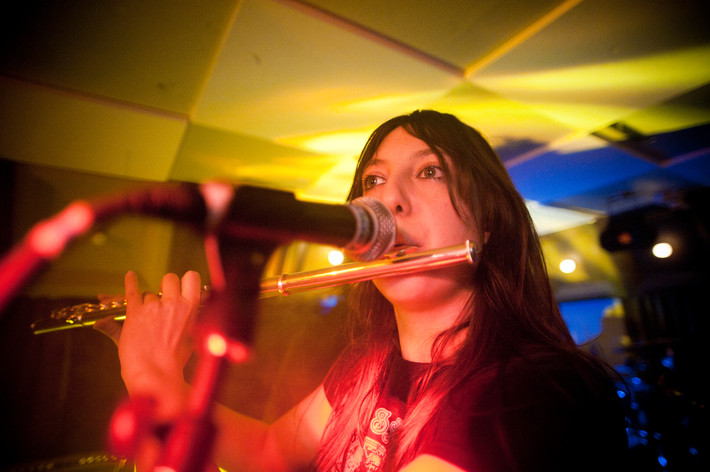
(486, 235)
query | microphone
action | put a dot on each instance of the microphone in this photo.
(364, 228)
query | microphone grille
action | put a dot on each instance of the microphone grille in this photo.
(380, 237)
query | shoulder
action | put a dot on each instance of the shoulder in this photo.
(561, 375)
(538, 410)
(558, 384)
(429, 463)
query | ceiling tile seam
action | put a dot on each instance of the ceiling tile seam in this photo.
(652, 157)
(568, 138)
(374, 36)
(102, 99)
(190, 123)
(688, 156)
(556, 204)
(215, 58)
(549, 147)
(517, 39)
(178, 152)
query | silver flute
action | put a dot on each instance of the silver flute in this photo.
(394, 264)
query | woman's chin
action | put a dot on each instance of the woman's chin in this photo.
(419, 288)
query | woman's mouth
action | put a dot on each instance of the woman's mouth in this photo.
(403, 244)
(401, 248)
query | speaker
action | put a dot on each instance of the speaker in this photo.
(630, 230)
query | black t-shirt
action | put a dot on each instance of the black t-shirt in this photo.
(525, 416)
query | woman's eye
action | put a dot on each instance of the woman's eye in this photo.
(431, 172)
(370, 181)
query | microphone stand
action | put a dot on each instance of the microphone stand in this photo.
(225, 335)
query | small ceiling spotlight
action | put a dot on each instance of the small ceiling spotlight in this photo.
(662, 250)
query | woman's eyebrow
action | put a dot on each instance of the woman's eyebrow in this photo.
(373, 162)
(423, 153)
(415, 156)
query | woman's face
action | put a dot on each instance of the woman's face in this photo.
(406, 176)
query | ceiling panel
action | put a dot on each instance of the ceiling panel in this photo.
(155, 53)
(458, 32)
(284, 73)
(492, 114)
(209, 153)
(553, 175)
(50, 127)
(655, 187)
(688, 110)
(594, 95)
(604, 59)
(608, 31)
(695, 169)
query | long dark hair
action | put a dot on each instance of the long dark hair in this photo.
(513, 308)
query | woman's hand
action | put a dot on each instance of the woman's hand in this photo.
(108, 325)
(155, 341)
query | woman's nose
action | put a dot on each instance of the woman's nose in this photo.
(396, 198)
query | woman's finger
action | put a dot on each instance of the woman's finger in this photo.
(134, 297)
(170, 286)
(110, 328)
(149, 297)
(192, 287)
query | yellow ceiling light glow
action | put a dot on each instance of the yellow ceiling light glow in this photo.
(332, 186)
(342, 143)
(393, 103)
(654, 74)
(594, 95)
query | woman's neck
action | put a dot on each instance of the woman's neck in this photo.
(418, 327)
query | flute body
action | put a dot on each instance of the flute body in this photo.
(402, 263)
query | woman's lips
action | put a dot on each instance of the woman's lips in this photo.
(404, 244)
(402, 249)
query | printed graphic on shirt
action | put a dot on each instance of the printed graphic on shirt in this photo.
(370, 455)
(380, 421)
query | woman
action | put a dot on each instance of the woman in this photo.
(453, 369)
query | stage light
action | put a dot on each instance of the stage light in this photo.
(335, 257)
(568, 266)
(662, 250)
